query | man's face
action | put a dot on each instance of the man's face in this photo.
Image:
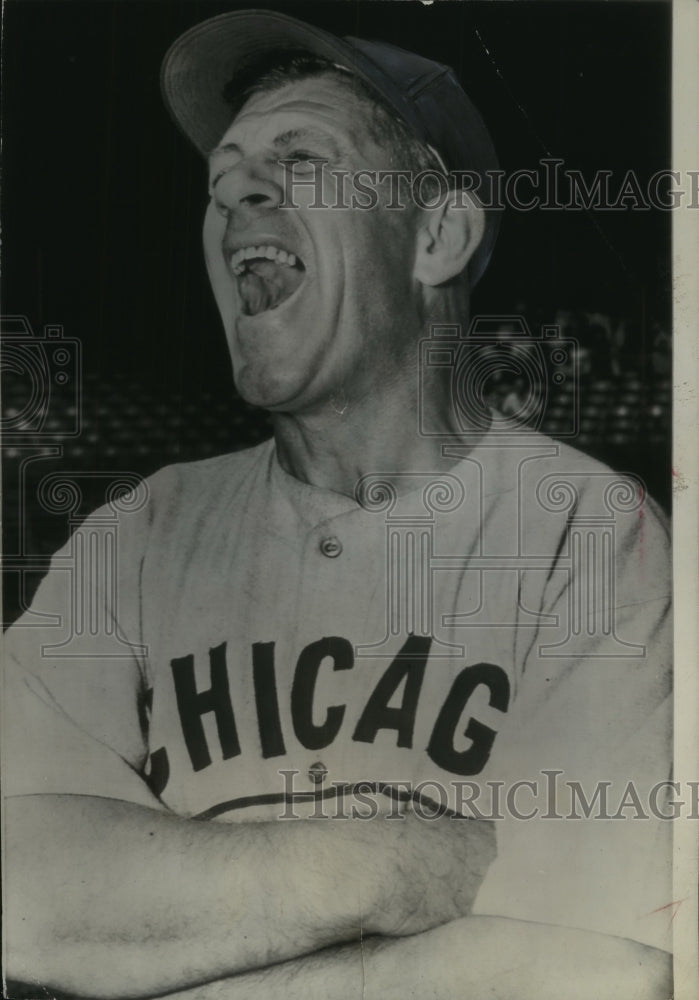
(325, 311)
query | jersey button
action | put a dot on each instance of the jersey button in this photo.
(331, 547)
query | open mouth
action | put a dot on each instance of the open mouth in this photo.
(266, 277)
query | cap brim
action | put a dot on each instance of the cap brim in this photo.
(204, 60)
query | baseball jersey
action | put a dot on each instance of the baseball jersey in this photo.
(490, 638)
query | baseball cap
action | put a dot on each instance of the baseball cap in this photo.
(210, 57)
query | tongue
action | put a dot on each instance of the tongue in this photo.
(266, 284)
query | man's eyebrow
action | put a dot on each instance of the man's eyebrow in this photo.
(314, 134)
(284, 139)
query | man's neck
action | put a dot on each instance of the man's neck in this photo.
(335, 448)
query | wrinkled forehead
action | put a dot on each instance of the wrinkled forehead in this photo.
(324, 101)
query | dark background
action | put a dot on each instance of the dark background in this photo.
(103, 201)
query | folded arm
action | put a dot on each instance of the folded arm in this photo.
(473, 957)
(110, 899)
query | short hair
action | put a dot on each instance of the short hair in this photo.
(383, 123)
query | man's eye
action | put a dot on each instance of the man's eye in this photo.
(303, 155)
(225, 168)
(217, 177)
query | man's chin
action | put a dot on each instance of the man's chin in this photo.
(267, 390)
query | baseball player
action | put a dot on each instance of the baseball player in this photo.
(381, 705)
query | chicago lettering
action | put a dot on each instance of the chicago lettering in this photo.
(401, 682)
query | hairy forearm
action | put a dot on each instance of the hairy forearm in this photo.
(471, 958)
(111, 899)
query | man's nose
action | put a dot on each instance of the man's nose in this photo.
(249, 187)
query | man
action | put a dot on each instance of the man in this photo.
(390, 613)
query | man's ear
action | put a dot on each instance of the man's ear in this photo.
(447, 238)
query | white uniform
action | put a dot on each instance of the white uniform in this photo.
(239, 637)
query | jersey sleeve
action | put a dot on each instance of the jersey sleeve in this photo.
(590, 730)
(75, 689)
